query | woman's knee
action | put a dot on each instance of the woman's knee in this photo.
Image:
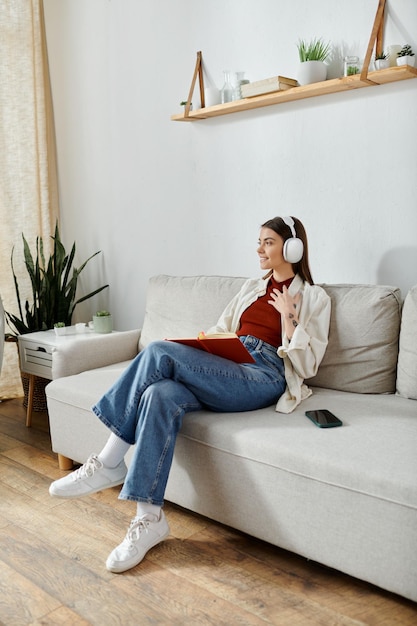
(168, 393)
(154, 347)
(169, 350)
(153, 355)
(159, 389)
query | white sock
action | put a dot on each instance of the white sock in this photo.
(151, 511)
(114, 451)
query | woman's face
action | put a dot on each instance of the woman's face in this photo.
(270, 250)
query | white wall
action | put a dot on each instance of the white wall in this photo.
(158, 196)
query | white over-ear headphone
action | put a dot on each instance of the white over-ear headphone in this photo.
(293, 247)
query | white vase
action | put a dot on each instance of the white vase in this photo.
(311, 72)
(381, 64)
(406, 61)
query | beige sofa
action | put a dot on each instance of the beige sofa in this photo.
(345, 497)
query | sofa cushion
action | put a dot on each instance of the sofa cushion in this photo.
(361, 356)
(363, 342)
(182, 306)
(407, 357)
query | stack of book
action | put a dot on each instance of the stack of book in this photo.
(267, 85)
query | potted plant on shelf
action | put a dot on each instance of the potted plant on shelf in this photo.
(312, 55)
(381, 61)
(405, 56)
(102, 322)
(54, 285)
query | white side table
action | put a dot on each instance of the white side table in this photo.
(36, 352)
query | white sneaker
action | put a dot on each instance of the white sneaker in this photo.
(91, 477)
(143, 534)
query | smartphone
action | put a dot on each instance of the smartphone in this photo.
(323, 418)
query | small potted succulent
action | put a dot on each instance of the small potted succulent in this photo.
(60, 328)
(312, 55)
(102, 322)
(381, 61)
(405, 56)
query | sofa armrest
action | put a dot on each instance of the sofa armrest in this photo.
(98, 350)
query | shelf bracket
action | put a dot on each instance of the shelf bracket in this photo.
(198, 71)
(376, 36)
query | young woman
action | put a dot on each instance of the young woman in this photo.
(283, 320)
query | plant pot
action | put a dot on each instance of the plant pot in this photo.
(311, 72)
(60, 330)
(381, 64)
(406, 60)
(39, 394)
(103, 323)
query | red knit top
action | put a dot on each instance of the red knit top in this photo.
(261, 319)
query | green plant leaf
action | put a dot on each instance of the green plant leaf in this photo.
(314, 50)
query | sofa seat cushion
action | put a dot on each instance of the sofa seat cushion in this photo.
(362, 352)
(84, 389)
(372, 453)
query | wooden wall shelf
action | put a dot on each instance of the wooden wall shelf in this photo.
(336, 85)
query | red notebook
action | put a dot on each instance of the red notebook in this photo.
(226, 345)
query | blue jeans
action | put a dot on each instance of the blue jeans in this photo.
(147, 403)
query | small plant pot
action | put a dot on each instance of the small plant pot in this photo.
(60, 330)
(406, 60)
(381, 64)
(103, 323)
(311, 72)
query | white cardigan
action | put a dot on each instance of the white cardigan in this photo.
(303, 354)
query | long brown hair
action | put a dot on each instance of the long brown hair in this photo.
(283, 230)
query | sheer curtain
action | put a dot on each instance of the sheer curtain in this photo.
(28, 176)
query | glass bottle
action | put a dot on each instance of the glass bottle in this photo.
(227, 89)
(351, 66)
(240, 80)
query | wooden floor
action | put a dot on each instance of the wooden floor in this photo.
(53, 551)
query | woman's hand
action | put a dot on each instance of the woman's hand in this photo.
(286, 304)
